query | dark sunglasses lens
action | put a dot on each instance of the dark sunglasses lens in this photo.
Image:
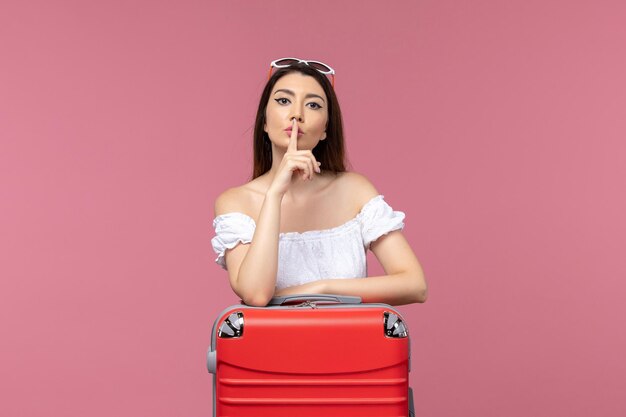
(287, 61)
(319, 66)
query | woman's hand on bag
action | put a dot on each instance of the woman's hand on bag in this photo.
(314, 287)
(294, 162)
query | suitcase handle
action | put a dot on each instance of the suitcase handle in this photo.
(317, 298)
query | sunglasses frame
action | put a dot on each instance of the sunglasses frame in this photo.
(274, 64)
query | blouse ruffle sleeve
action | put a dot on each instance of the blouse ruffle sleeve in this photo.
(230, 229)
(377, 218)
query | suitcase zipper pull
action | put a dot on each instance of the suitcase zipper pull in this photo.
(307, 304)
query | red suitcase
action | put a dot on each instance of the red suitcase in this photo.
(310, 355)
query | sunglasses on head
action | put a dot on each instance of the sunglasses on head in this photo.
(287, 62)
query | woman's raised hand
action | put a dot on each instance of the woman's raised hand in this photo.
(294, 162)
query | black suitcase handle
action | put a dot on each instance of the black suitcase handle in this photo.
(316, 298)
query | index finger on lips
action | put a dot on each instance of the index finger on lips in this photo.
(293, 140)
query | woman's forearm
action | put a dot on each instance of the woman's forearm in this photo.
(396, 289)
(256, 280)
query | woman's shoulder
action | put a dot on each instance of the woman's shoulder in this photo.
(358, 187)
(231, 200)
(357, 182)
(243, 198)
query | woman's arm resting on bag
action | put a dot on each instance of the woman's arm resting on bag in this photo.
(403, 284)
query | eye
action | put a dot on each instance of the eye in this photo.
(279, 101)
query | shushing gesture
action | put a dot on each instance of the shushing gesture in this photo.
(298, 162)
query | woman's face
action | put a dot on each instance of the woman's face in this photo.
(300, 96)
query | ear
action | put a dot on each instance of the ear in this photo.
(323, 137)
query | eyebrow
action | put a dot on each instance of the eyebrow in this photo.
(284, 90)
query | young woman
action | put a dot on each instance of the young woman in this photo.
(303, 223)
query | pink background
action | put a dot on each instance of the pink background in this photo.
(498, 127)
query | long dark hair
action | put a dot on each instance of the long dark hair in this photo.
(330, 152)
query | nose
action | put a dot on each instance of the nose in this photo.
(298, 117)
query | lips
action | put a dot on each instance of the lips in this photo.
(288, 130)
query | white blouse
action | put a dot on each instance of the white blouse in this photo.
(339, 252)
